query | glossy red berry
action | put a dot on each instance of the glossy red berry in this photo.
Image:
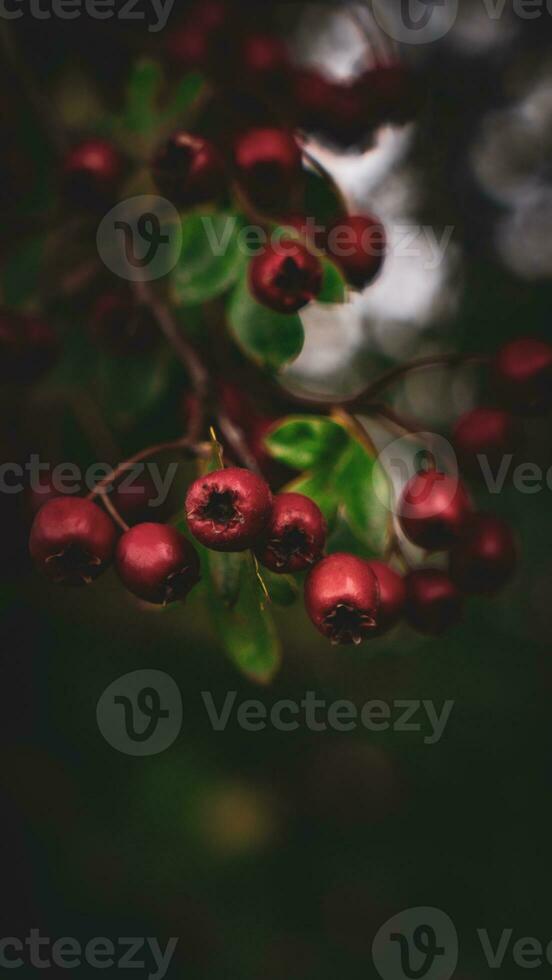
(295, 534)
(122, 326)
(392, 596)
(268, 166)
(488, 432)
(357, 244)
(523, 375)
(91, 173)
(433, 510)
(229, 509)
(28, 347)
(72, 540)
(484, 559)
(433, 602)
(342, 599)
(189, 170)
(285, 277)
(157, 563)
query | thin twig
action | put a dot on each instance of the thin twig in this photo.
(366, 397)
(112, 510)
(186, 354)
(236, 440)
(193, 450)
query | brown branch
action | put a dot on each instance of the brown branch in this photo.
(385, 380)
(186, 354)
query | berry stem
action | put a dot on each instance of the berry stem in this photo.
(186, 354)
(112, 510)
(237, 442)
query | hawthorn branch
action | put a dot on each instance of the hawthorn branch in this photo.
(186, 354)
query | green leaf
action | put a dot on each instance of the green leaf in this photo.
(320, 487)
(142, 93)
(185, 95)
(210, 261)
(334, 289)
(364, 491)
(306, 441)
(283, 589)
(322, 202)
(128, 387)
(247, 630)
(270, 339)
(225, 571)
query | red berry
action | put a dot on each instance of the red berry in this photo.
(485, 557)
(357, 245)
(188, 170)
(333, 109)
(295, 535)
(28, 347)
(264, 62)
(392, 595)
(229, 509)
(488, 432)
(268, 165)
(157, 563)
(122, 326)
(92, 171)
(433, 510)
(342, 599)
(433, 603)
(285, 277)
(523, 375)
(72, 540)
(202, 40)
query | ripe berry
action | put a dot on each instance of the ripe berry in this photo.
(72, 540)
(264, 62)
(342, 599)
(392, 595)
(433, 603)
(523, 375)
(357, 245)
(484, 559)
(188, 170)
(229, 509)
(433, 510)
(157, 563)
(488, 432)
(201, 41)
(268, 166)
(332, 109)
(295, 535)
(122, 326)
(285, 277)
(28, 347)
(91, 172)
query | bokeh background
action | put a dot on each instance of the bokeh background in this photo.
(272, 854)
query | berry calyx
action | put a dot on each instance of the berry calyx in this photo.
(484, 559)
(28, 347)
(157, 563)
(72, 540)
(392, 596)
(488, 432)
(357, 244)
(285, 277)
(122, 326)
(229, 509)
(523, 375)
(295, 534)
(91, 173)
(342, 599)
(268, 166)
(188, 169)
(433, 602)
(433, 510)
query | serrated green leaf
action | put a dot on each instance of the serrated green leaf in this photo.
(143, 89)
(364, 490)
(334, 288)
(247, 630)
(268, 338)
(210, 260)
(307, 441)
